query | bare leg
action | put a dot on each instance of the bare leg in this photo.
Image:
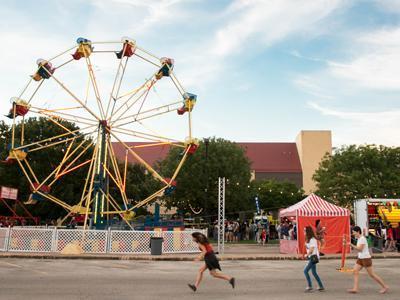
(200, 276)
(356, 274)
(219, 275)
(379, 280)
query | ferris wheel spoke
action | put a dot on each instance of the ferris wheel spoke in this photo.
(150, 113)
(118, 78)
(69, 168)
(55, 171)
(177, 83)
(114, 204)
(25, 88)
(35, 91)
(61, 54)
(74, 96)
(141, 160)
(157, 64)
(45, 141)
(64, 63)
(127, 105)
(95, 87)
(57, 114)
(149, 199)
(145, 97)
(117, 173)
(55, 200)
(91, 181)
(147, 136)
(148, 53)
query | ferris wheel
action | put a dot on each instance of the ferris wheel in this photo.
(113, 91)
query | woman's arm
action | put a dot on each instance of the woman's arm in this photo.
(358, 248)
(203, 252)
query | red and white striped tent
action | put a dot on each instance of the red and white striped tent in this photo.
(335, 219)
(314, 206)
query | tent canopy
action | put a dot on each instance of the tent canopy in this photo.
(314, 206)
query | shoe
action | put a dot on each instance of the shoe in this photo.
(321, 289)
(232, 282)
(308, 290)
(192, 287)
(321, 254)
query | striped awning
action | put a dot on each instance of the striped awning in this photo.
(314, 206)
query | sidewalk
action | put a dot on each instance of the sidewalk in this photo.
(232, 252)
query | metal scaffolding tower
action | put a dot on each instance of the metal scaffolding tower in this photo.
(221, 214)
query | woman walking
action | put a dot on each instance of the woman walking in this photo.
(364, 261)
(211, 261)
(320, 233)
(312, 255)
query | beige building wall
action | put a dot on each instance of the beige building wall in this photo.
(312, 145)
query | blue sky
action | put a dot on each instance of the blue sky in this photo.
(263, 70)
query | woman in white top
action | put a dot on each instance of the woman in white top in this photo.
(312, 250)
(364, 261)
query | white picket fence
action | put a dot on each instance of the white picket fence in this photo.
(25, 239)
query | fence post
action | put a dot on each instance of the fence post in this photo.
(54, 240)
(7, 239)
(108, 240)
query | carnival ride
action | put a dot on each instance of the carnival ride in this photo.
(104, 115)
(17, 212)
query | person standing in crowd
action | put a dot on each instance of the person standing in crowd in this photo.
(398, 237)
(390, 242)
(263, 236)
(363, 261)
(211, 262)
(312, 254)
(236, 231)
(291, 232)
(379, 227)
(258, 233)
(320, 232)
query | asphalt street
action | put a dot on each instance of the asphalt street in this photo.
(118, 279)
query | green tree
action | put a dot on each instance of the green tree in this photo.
(273, 195)
(197, 183)
(43, 162)
(355, 172)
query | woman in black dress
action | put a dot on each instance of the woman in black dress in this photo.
(210, 259)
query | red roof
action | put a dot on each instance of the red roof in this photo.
(273, 157)
(264, 157)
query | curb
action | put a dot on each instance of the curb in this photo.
(172, 258)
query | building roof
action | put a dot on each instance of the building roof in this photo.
(264, 157)
(273, 157)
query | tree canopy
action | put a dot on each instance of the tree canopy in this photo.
(273, 195)
(197, 183)
(355, 172)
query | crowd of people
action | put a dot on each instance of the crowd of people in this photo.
(287, 230)
(237, 230)
(388, 234)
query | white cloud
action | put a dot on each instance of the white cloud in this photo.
(248, 26)
(377, 62)
(308, 84)
(363, 127)
(265, 22)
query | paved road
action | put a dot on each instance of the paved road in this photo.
(108, 279)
